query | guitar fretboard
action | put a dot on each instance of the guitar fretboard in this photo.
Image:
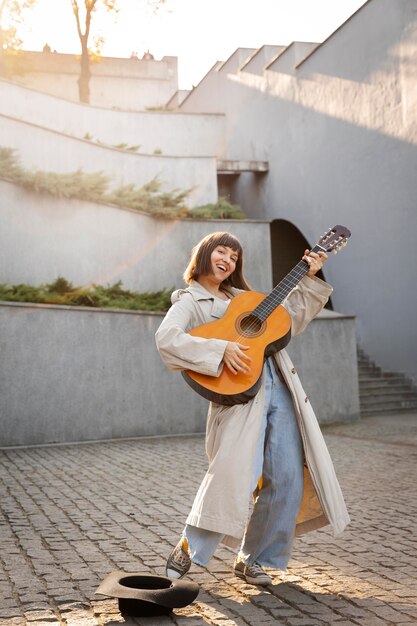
(281, 291)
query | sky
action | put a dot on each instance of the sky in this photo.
(198, 32)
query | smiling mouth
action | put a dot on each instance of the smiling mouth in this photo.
(223, 268)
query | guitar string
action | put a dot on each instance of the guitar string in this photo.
(278, 294)
(269, 303)
(282, 289)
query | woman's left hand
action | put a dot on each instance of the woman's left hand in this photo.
(315, 261)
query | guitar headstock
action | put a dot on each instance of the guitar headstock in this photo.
(334, 239)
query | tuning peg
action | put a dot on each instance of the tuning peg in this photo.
(334, 250)
(345, 243)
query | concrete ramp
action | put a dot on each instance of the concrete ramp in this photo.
(43, 149)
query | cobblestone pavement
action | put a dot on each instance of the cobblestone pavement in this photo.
(72, 514)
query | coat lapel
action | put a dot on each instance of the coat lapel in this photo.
(199, 293)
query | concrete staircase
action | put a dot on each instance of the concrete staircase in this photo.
(383, 392)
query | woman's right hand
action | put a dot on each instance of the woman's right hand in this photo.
(234, 358)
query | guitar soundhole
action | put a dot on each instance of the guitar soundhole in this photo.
(249, 325)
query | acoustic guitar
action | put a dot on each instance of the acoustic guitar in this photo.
(260, 322)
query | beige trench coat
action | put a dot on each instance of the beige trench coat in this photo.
(222, 501)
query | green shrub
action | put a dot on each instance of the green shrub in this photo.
(22, 293)
(63, 292)
(60, 285)
(150, 199)
(94, 187)
(125, 146)
(78, 184)
(9, 165)
(222, 209)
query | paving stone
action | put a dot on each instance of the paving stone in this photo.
(186, 621)
(35, 616)
(15, 612)
(68, 521)
(301, 621)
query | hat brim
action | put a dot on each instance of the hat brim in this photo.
(161, 590)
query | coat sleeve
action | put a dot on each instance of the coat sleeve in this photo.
(179, 350)
(305, 301)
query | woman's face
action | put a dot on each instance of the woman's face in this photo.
(223, 262)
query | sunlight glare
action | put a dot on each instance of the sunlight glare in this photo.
(198, 32)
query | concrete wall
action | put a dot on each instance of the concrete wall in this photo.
(260, 58)
(286, 61)
(170, 133)
(42, 237)
(340, 134)
(326, 359)
(77, 374)
(115, 83)
(42, 149)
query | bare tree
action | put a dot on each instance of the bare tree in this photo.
(83, 12)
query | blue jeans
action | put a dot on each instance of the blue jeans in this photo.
(269, 533)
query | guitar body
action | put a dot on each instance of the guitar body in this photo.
(263, 338)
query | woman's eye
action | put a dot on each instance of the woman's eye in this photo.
(223, 251)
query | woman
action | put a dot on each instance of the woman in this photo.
(270, 447)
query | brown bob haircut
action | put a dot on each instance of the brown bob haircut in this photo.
(200, 262)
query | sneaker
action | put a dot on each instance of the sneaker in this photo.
(252, 574)
(179, 561)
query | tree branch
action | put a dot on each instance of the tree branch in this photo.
(76, 12)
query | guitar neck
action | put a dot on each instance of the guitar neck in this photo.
(281, 291)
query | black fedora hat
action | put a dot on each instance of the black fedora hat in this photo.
(143, 594)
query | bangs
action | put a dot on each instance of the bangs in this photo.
(226, 239)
